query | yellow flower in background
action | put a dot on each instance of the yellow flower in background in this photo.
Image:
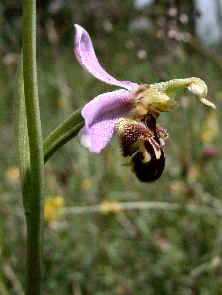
(211, 128)
(53, 206)
(107, 207)
(86, 184)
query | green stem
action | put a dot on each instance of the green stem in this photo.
(34, 195)
(62, 134)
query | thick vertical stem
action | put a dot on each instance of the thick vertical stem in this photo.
(33, 197)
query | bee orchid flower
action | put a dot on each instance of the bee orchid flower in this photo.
(130, 112)
(101, 113)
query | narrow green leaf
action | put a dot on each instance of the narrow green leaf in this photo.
(21, 132)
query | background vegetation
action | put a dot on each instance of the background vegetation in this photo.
(170, 241)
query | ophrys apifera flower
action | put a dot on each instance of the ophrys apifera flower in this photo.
(130, 112)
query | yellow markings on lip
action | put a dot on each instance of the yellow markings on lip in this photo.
(156, 148)
(146, 155)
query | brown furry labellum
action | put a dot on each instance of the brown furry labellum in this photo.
(142, 142)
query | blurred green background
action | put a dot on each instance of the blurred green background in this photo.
(170, 240)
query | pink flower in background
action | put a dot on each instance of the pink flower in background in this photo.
(104, 110)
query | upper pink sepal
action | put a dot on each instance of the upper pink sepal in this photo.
(86, 56)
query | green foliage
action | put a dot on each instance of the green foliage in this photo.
(152, 251)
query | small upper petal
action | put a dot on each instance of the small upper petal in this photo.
(107, 102)
(86, 56)
(100, 115)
